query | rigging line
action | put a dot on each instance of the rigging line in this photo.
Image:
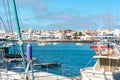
(9, 16)
(5, 12)
(19, 14)
(3, 24)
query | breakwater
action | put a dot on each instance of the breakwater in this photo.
(82, 41)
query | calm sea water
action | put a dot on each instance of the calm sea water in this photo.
(73, 57)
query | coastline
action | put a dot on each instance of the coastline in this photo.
(50, 40)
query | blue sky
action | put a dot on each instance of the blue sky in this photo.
(65, 14)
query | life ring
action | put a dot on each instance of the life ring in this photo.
(98, 51)
(110, 51)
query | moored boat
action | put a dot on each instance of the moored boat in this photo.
(42, 44)
(107, 67)
(54, 43)
(101, 45)
(80, 44)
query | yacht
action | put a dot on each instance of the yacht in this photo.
(42, 44)
(54, 43)
(80, 44)
(107, 66)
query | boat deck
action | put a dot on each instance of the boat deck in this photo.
(108, 57)
(37, 76)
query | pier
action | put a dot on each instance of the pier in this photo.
(49, 65)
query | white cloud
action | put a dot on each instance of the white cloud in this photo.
(77, 21)
(60, 19)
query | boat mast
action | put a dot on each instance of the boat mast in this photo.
(19, 34)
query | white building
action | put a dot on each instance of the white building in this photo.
(117, 33)
(57, 36)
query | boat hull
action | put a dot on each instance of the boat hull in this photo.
(87, 74)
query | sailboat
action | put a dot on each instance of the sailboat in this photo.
(26, 71)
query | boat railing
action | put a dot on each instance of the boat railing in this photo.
(117, 49)
(63, 70)
(47, 74)
(91, 62)
(88, 68)
(90, 73)
(68, 70)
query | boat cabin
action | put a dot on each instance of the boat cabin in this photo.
(107, 63)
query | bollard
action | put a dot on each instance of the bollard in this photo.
(29, 52)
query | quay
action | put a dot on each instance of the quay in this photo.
(82, 41)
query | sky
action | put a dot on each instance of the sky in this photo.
(63, 14)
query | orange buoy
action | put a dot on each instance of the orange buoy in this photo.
(98, 51)
(110, 51)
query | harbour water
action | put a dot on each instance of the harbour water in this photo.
(71, 56)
